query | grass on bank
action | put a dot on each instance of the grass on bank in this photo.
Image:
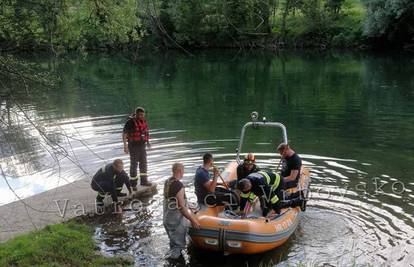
(67, 244)
(341, 30)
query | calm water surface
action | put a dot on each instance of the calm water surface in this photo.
(350, 116)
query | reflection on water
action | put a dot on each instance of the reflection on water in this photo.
(342, 226)
(349, 116)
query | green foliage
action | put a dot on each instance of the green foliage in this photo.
(61, 25)
(69, 24)
(320, 23)
(392, 19)
(68, 244)
(298, 22)
(381, 14)
(185, 17)
(215, 21)
(102, 24)
(29, 23)
(334, 6)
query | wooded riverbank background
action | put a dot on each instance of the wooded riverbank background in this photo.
(62, 25)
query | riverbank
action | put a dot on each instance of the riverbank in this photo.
(54, 206)
(128, 25)
(67, 244)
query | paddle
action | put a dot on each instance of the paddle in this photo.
(281, 157)
(224, 182)
(222, 179)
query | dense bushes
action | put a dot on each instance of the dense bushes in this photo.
(284, 22)
(390, 21)
(60, 25)
(68, 24)
(215, 22)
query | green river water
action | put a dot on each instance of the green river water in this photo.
(350, 116)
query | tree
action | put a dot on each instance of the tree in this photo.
(390, 20)
(195, 22)
(68, 24)
(334, 6)
(27, 23)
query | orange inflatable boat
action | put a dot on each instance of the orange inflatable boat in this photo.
(224, 230)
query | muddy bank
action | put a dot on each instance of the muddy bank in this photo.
(53, 206)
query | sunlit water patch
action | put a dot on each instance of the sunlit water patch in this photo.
(347, 221)
(67, 151)
(354, 215)
(350, 116)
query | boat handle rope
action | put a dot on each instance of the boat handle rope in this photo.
(277, 215)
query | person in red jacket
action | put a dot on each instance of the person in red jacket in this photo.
(136, 138)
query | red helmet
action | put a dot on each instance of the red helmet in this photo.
(249, 158)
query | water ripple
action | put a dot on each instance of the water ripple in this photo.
(347, 223)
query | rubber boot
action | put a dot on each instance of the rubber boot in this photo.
(144, 181)
(100, 207)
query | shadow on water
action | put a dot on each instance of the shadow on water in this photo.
(350, 116)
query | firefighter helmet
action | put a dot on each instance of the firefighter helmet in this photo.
(249, 158)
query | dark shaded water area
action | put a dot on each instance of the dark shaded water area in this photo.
(350, 116)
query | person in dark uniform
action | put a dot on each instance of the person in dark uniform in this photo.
(267, 186)
(291, 165)
(136, 137)
(109, 180)
(247, 167)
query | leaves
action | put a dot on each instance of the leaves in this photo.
(390, 19)
(61, 25)
(69, 24)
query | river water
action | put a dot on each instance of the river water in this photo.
(350, 117)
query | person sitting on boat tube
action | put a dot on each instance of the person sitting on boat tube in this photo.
(267, 186)
(206, 190)
(202, 182)
(291, 165)
(247, 167)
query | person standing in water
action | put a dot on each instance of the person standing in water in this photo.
(136, 139)
(176, 212)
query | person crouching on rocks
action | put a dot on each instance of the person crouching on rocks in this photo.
(110, 179)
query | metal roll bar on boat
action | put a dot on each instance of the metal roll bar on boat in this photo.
(255, 124)
(224, 231)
